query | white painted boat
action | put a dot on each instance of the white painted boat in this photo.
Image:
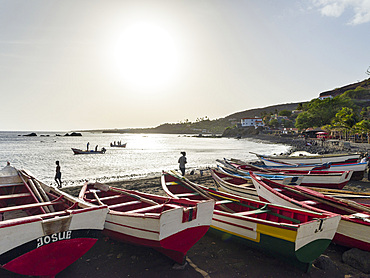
(307, 158)
(358, 168)
(42, 229)
(169, 225)
(313, 178)
(354, 227)
(242, 184)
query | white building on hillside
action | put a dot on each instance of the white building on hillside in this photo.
(252, 122)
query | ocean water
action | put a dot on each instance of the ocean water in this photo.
(145, 154)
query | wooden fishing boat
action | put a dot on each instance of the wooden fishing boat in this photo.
(168, 225)
(293, 235)
(314, 178)
(358, 197)
(42, 229)
(357, 168)
(349, 162)
(242, 185)
(354, 227)
(307, 158)
(118, 145)
(233, 184)
(79, 151)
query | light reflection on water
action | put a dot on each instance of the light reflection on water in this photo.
(145, 154)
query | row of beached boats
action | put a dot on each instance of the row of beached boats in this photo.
(266, 209)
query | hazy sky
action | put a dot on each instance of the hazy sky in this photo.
(68, 65)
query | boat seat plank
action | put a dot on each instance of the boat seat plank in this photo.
(11, 196)
(123, 204)
(11, 184)
(171, 183)
(251, 212)
(187, 194)
(310, 202)
(141, 210)
(14, 214)
(28, 206)
(110, 197)
(223, 202)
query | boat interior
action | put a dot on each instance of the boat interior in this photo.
(22, 196)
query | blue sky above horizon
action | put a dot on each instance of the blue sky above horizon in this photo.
(68, 65)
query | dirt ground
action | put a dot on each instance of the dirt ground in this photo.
(209, 257)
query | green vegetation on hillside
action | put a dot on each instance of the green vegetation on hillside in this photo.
(347, 112)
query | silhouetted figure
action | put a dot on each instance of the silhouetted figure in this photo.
(58, 175)
(182, 161)
(87, 147)
(96, 148)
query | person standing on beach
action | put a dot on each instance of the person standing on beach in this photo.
(182, 161)
(87, 146)
(58, 175)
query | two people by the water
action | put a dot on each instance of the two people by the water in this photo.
(58, 175)
(182, 161)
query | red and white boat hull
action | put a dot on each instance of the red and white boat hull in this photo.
(165, 233)
(37, 247)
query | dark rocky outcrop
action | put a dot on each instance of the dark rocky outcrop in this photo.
(31, 134)
(73, 134)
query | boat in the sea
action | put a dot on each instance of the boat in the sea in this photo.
(42, 229)
(354, 227)
(293, 235)
(79, 151)
(115, 145)
(301, 157)
(313, 178)
(171, 226)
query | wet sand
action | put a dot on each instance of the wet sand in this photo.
(210, 257)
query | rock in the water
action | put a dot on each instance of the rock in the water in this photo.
(31, 134)
(73, 134)
(358, 259)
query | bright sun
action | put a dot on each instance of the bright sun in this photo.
(146, 56)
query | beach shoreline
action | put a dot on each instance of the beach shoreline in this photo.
(211, 256)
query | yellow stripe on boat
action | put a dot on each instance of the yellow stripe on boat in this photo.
(285, 234)
(257, 239)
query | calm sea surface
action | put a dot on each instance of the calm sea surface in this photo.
(145, 154)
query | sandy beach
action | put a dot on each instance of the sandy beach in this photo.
(209, 257)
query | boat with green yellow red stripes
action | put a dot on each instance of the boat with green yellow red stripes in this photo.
(293, 235)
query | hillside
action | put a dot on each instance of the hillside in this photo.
(359, 92)
(258, 111)
(365, 84)
(208, 126)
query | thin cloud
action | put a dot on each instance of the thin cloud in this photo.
(335, 8)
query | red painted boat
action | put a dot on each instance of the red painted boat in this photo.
(354, 226)
(171, 226)
(42, 229)
(313, 178)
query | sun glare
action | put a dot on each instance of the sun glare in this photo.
(146, 56)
